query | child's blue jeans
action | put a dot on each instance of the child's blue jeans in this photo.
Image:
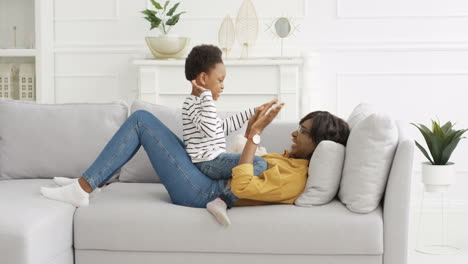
(221, 168)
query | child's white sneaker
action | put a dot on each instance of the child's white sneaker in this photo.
(218, 208)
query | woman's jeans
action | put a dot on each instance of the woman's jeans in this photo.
(185, 183)
(221, 168)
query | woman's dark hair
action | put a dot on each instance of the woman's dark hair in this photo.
(326, 126)
(201, 59)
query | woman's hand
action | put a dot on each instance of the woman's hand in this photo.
(265, 117)
(262, 119)
(258, 110)
(197, 89)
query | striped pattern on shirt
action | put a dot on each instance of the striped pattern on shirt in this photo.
(203, 131)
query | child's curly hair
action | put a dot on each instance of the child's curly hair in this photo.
(201, 59)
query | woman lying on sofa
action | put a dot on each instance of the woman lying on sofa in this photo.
(282, 182)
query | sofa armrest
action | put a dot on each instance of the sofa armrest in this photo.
(396, 205)
(277, 138)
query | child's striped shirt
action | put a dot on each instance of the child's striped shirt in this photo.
(203, 131)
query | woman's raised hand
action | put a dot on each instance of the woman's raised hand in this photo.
(255, 116)
(197, 89)
(260, 108)
(265, 116)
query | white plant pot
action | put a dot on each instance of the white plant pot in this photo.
(437, 178)
(168, 46)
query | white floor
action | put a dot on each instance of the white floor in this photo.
(430, 232)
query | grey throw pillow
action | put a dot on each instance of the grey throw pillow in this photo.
(325, 168)
(50, 140)
(359, 113)
(369, 154)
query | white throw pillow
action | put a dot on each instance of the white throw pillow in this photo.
(49, 140)
(139, 168)
(325, 168)
(369, 154)
(359, 113)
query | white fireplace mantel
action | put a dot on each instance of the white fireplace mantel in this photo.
(248, 83)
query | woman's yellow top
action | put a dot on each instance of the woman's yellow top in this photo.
(282, 182)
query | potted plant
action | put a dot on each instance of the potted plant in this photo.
(165, 45)
(438, 173)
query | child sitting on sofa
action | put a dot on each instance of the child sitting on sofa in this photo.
(204, 132)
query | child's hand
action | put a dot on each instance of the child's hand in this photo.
(258, 111)
(265, 117)
(260, 108)
(196, 89)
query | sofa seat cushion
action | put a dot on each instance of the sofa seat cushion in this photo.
(33, 229)
(140, 217)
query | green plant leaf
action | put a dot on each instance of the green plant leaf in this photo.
(436, 129)
(447, 127)
(172, 10)
(436, 144)
(173, 20)
(152, 18)
(149, 12)
(155, 24)
(452, 135)
(424, 151)
(426, 134)
(426, 129)
(460, 132)
(448, 137)
(448, 151)
(156, 5)
(165, 5)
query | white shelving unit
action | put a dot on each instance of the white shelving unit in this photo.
(34, 30)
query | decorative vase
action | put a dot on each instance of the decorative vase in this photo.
(437, 178)
(168, 46)
(246, 27)
(226, 35)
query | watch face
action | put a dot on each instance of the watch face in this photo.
(256, 139)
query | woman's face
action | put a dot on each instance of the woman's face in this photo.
(302, 145)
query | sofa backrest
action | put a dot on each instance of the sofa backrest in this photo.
(49, 140)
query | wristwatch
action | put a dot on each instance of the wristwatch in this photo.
(255, 138)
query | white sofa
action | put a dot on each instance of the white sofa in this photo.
(135, 222)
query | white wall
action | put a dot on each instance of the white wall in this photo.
(408, 57)
(95, 41)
